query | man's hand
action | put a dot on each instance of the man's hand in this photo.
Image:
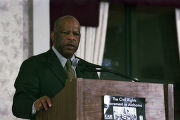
(43, 102)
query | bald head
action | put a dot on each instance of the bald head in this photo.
(66, 35)
(63, 20)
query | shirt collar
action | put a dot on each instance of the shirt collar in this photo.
(61, 58)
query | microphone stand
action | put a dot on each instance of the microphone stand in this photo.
(98, 68)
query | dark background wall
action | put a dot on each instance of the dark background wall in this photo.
(141, 42)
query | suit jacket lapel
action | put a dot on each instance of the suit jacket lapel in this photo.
(80, 70)
(56, 67)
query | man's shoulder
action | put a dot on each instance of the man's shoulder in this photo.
(39, 58)
(82, 61)
(85, 62)
(86, 69)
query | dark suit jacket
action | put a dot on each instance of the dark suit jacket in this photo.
(41, 75)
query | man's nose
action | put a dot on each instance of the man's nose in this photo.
(71, 36)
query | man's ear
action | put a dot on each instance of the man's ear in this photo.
(52, 37)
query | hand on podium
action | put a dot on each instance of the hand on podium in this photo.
(43, 102)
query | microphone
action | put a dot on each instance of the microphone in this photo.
(75, 62)
(86, 66)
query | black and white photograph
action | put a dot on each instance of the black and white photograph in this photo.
(124, 108)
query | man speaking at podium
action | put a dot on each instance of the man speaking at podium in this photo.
(41, 77)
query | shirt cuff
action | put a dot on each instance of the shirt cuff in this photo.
(33, 110)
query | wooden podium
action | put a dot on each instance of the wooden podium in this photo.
(82, 99)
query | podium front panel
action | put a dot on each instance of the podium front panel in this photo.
(91, 92)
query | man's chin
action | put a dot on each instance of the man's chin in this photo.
(68, 54)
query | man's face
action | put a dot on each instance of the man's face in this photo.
(67, 37)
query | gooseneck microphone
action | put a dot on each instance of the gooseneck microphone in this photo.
(86, 66)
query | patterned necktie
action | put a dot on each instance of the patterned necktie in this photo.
(69, 70)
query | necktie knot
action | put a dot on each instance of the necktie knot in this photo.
(68, 64)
